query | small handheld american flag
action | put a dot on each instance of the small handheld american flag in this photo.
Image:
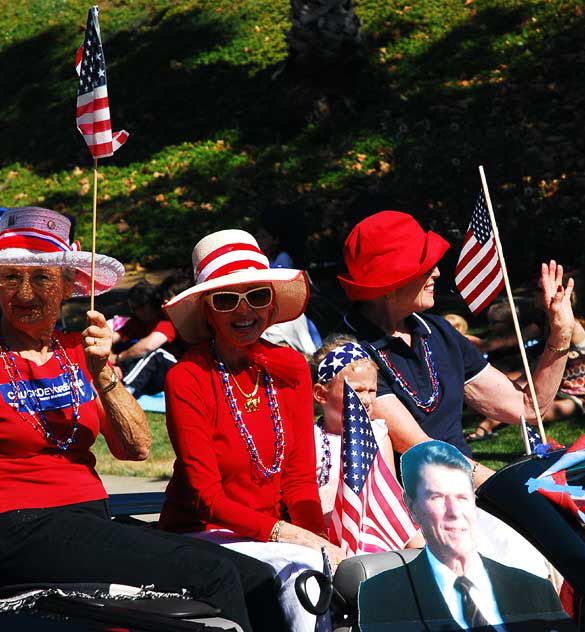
(369, 515)
(93, 110)
(478, 274)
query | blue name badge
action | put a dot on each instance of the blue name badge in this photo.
(52, 393)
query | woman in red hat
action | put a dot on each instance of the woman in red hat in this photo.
(240, 416)
(427, 369)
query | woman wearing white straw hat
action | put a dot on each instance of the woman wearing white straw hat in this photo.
(240, 417)
(57, 392)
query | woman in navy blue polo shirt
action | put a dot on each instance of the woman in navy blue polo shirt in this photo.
(427, 368)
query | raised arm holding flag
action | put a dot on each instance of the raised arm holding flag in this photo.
(93, 110)
(480, 275)
(427, 369)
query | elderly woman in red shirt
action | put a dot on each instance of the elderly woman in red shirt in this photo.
(240, 417)
(57, 392)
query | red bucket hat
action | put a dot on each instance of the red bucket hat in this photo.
(386, 251)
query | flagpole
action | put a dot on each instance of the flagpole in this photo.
(512, 306)
(525, 435)
(93, 233)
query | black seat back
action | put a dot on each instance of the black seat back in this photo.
(558, 536)
(354, 570)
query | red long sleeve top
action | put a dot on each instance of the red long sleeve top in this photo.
(215, 483)
(33, 471)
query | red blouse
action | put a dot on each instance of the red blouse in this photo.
(33, 471)
(215, 483)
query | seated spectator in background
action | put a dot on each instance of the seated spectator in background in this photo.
(342, 359)
(570, 397)
(151, 340)
(461, 325)
(294, 334)
(450, 585)
(500, 347)
(174, 284)
(501, 343)
(282, 236)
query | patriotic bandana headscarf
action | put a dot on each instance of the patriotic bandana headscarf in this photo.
(337, 359)
(562, 482)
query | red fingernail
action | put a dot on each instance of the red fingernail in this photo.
(560, 288)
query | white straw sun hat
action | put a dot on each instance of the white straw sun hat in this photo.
(233, 257)
(30, 235)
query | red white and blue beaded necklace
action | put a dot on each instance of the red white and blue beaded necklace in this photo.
(277, 424)
(37, 418)
(427, 405)
(325, 473)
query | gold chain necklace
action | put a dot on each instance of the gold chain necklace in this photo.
(252, 402)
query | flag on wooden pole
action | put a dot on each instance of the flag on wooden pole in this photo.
(369, 515)
(478, 274)
(93, 110)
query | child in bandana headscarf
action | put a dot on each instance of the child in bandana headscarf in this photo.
(341, 359)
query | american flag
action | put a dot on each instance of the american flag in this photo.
(369, 515)
(478, 274)
(534, 438)
(93, 110)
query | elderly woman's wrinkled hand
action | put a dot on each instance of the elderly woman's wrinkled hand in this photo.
(97, 342)
(557, 304)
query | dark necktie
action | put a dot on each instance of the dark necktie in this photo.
(471, 613)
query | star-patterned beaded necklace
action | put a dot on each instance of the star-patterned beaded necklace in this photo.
(277, 424)
(37, 417)
(431, 403)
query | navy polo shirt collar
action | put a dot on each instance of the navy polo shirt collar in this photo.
(376, 337)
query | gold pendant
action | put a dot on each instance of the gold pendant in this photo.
(252, 404)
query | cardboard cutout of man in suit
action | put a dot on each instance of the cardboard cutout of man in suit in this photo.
(449, 585)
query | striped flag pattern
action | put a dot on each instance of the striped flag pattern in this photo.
(369, 515)
(93, 110)
(478, 274)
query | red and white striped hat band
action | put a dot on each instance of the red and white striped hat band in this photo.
(230, 258)
(35, 228)
(34, 240)
(31, 235)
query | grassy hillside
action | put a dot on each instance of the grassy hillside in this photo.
(221, 128)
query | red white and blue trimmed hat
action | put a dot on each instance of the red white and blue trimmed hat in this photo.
(34, 236)
(233, 257)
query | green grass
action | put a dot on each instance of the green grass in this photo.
(494, 453)
(508, 445)
(158, 465)
(445, 85)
